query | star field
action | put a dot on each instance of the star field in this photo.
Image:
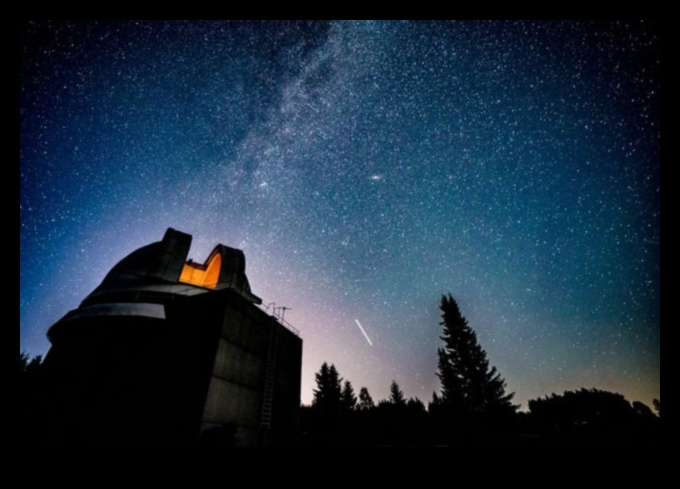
(365, 168)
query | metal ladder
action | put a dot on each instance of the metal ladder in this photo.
(270, 376)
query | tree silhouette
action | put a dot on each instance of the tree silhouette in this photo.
(31, 399)
(396, 395)
(29, 367)
(365, 400)
(644, 413)
(473, 393)
(417, 423)
(657, 406)
(593, 416)
(23, 362)
(328, 390)
(466, 378)
(348, 400)
(416, 405)
(326, 420)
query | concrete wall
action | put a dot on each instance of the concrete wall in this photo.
(128, 380)
(236, 391)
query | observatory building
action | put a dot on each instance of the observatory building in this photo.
(171, 352)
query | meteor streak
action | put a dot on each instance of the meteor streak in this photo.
(362, 330)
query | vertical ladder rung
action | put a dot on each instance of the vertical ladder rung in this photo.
(270, 375)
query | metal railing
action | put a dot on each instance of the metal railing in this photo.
(187, 289)
(279, 317)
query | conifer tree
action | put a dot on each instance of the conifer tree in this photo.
(329, 389)
(348, 399)
(469, 384)
(396, 395)
(365, 400)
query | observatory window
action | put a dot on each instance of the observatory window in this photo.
(202, 275)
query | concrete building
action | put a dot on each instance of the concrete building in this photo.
(171, 352)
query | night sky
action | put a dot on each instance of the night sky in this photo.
(365, 168)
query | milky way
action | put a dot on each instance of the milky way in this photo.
(365, 169)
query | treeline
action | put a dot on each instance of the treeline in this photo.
(338, 416)
(31, 399)
(473, 407)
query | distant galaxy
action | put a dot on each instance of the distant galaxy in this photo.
(365, 169)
